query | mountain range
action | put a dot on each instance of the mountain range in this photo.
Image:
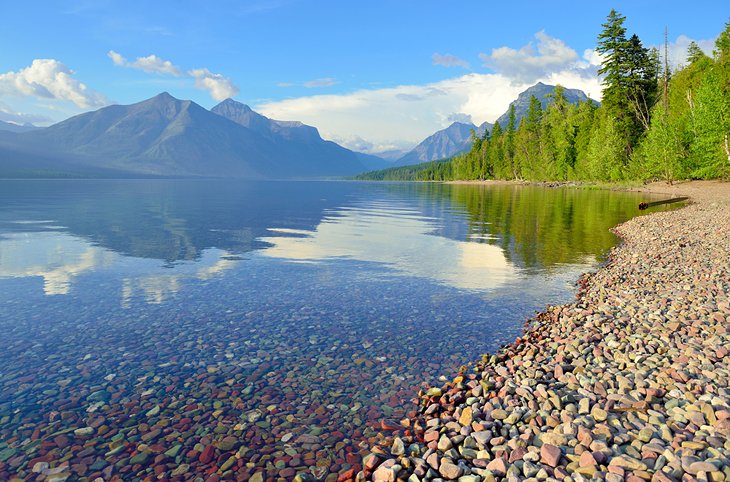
(165, 136)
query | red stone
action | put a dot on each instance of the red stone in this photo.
(206, 456)
(498, 466)
(390, 425)
(61, 441)
(517, 454)
(347, 475)
(586, 459)
(550, 455)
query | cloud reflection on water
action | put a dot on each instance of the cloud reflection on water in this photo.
(60, 259)
(400, 238)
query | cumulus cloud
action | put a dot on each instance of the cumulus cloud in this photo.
(218, 86)
(677, 50)
(529, 63)
(410, 112)
(50, 79)
(151, 64)
(400, 117)
(448, 60)
(323, 82)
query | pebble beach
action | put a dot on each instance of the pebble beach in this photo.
(631, 382)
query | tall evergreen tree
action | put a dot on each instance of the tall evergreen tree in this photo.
(612, 44)
(509, 142)
(694, 53)
(642, 70)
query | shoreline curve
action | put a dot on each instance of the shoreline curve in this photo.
(629, 382)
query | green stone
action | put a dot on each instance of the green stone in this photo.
(6, 453)
(228, 463)
(139, 458)
(172, 453)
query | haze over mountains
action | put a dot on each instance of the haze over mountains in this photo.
(9, 126)
(167, 137)
(442, 144)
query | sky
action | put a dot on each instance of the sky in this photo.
(375, 75)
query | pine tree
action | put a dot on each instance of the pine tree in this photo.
(509, 143)
(642, 71)
(612, 44)
(694, 53)
(496, 154)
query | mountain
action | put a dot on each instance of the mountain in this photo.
(9, 126)
(442, 144)
(542, 92)
(165, 136)
(310, 143)
(269, 128)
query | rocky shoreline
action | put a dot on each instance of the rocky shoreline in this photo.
(631, 382)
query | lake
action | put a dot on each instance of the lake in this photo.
(178, 328)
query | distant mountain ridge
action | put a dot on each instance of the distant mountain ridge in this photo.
(272, 129)
(294, 131)
(165, 136)
(9, 126)
(443, 144)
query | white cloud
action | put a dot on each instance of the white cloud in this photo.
(400, 117)
(117, 58)
(50, 79)
(527, 64)
(448, 60)
(677, 50)
(323, 82)
(219, 87)
(151, 64)
(356, 233)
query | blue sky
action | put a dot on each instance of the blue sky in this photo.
(372, 75)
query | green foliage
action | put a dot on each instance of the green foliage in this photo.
(662, 151)
(427, 171)
(711, 124)
(634, 135)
